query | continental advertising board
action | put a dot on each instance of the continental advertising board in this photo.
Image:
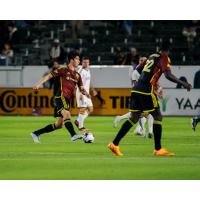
(25, 101)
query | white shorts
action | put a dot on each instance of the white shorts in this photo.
(84, 103)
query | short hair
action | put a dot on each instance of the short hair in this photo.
(165, 46)
(72, 55)
(85, 58)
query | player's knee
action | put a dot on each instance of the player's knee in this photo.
(58, 125)
(134, 117)
(158, 117)
(65, 114)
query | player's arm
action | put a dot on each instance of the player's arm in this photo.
(166, 68)
(135, 76)
(174, 79)
(43, 80)
(81, 88)
(83, 91)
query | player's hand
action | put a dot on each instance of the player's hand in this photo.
(84, 92)
(187, 86)
(87, 95)
(94, 93)
(160, 92)
(36, 87)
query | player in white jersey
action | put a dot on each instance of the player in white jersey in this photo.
(140, 128)
(84, 103)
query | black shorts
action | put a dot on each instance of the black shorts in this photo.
(144, 102)
(60, 104)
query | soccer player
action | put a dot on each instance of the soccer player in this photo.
(195, 121)
(83, 102)
(144, 100)
(140, 128)
(68, 79)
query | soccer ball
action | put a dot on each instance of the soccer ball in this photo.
(88, 137)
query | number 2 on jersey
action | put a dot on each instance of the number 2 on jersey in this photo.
(148, 65)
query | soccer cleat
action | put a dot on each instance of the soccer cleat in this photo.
(150, 135)
(163, 152)
(193, 123)
(138, 131)
(116, 121)
(115, 149)
(76, 137)
(36, 138)
(84, 129)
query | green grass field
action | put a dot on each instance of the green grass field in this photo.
(59, 159)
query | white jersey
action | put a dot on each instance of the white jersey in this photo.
(135, 75)
(86, 79)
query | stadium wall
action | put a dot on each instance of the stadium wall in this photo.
(103, 76)
(115, 101)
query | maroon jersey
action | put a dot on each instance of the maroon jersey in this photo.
(68, 81)
(156, 64)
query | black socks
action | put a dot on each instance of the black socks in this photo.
(123, 131)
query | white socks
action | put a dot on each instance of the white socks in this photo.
(150, 123)
(140, 128)
(125, 116)
(81, 118)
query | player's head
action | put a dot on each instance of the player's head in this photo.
(165, 46)
(142, 59)
(55, 64)
(73, 59)
(85, 62)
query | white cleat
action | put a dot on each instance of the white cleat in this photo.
(116, 121)
(76, 137)
(138, 131)
(36, 138)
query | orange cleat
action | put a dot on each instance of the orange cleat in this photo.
(115, 149)
(163, 152)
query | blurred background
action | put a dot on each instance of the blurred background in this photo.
(106, 42)
(28, 48)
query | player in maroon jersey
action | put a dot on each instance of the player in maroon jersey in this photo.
(143, 99)
(69, 78)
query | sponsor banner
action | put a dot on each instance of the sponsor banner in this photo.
(25, 101)
(179, 102)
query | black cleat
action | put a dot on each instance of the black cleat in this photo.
(150, 135)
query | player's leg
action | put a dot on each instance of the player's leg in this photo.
(140, 128)
(63, 106)
(126, 126)
(69, 126)
(86, 107)
(83, 114)
(121, 117)
(150, 125)
(47, 129)
(157, 131)
(195, 121)
(135, 114)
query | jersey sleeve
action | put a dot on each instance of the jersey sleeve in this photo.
(165, 63)
(57, 72)
(135, 75)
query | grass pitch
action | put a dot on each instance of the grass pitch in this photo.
(59, 159)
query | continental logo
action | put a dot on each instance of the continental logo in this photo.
(10, 100)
